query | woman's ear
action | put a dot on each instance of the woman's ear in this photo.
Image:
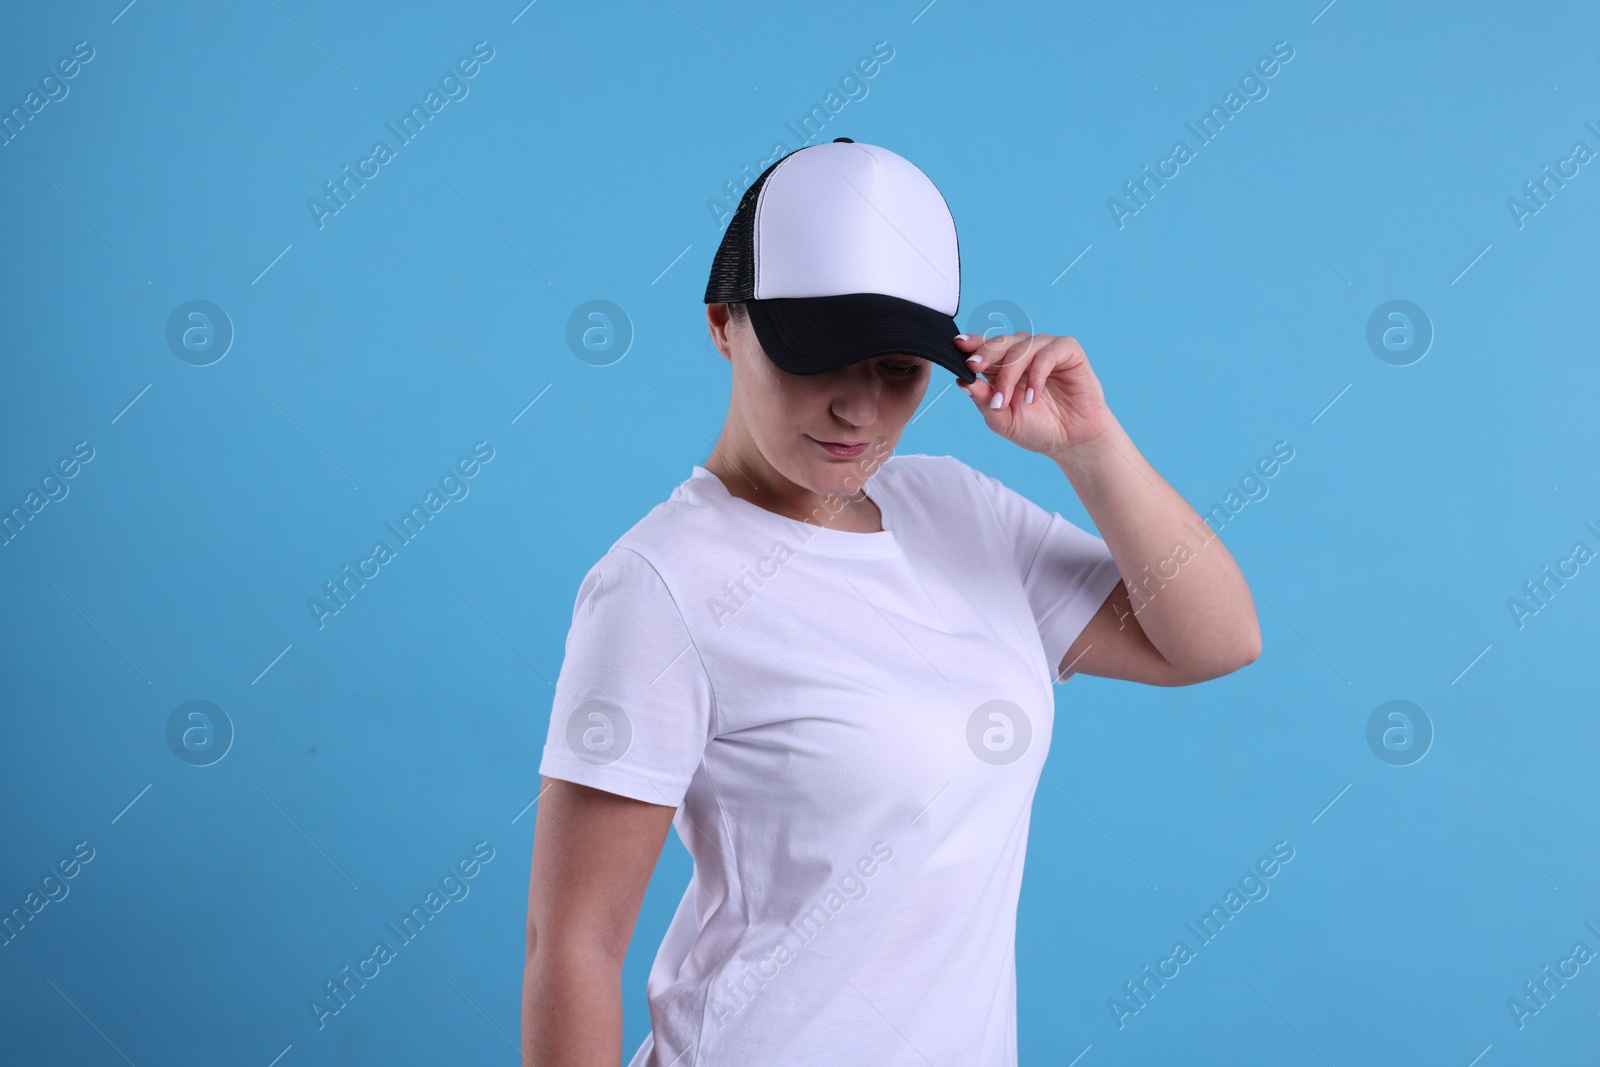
(720, 322)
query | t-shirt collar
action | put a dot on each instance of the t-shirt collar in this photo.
(804, 534)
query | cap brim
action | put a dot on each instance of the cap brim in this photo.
(816, 334)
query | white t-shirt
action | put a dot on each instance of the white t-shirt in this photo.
(851, 726)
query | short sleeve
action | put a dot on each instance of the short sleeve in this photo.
(633, 706)
(1066, 571)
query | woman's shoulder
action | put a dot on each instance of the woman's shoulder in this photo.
(669, 540)
(684, 521)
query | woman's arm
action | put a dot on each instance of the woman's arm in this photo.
(1195, 617)
(593, 853)
(1190, 605)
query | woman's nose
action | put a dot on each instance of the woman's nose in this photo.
(857, 404)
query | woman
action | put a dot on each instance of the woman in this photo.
(830, 667)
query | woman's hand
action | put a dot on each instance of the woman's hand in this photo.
(1068, 406)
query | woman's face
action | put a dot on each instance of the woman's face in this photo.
(786, 417)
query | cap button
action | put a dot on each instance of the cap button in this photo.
(846, 140)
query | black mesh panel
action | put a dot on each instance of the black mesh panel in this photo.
(733, 268)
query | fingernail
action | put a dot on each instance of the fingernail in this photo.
(996, 401)
(1027, 398)
(974, 359)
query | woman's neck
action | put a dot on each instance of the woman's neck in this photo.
(859, 514)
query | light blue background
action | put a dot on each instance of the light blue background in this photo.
(1230, 313)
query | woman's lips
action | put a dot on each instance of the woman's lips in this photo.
(837, 449)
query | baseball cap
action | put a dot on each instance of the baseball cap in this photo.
(843, 251)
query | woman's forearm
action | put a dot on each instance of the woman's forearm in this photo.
(1189, 595)
(571, 1007)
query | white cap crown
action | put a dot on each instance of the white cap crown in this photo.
(854, 218)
